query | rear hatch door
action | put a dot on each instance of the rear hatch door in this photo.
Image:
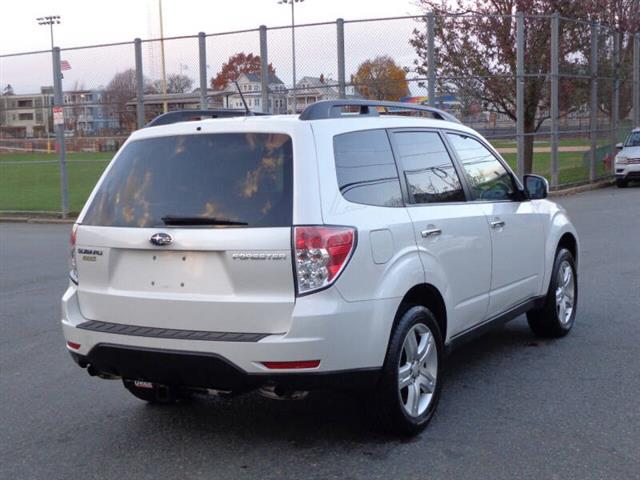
(192, 232)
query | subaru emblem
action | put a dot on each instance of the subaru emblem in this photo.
(161, 239)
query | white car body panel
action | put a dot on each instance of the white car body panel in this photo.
(478, 271)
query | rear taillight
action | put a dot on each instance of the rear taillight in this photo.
(321, 253)
(73, 266)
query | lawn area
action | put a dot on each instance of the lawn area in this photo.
(572, 167)
(28, 185)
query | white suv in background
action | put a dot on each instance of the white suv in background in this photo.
(628, 159)
(340, 248)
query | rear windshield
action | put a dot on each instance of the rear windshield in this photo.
(229, 179)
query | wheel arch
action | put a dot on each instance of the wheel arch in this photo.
(430, 297)
(569, 241)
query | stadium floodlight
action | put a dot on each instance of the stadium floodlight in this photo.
(49, 20)
(293, 44)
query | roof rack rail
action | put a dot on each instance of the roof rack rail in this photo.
(333, 109)
(176, 116)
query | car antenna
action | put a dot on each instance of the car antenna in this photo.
(246, 107)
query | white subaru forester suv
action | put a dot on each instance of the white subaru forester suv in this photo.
(342, 248)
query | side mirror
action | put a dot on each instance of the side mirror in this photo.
(619, 146)
(536, 187)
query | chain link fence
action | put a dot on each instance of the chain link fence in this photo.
(553, 94)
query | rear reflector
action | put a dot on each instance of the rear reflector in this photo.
(292, 365)
(73, 345)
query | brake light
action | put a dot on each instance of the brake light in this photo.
(321, 253)
(73, 265)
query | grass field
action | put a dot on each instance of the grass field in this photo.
(28, 182)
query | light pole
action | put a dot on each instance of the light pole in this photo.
(165, 108)
(293, 44)
(52, 20)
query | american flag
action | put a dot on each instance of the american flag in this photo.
(65, 65)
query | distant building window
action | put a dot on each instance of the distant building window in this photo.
(25, 103)
(25, 116)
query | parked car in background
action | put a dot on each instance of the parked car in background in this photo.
(627, 161)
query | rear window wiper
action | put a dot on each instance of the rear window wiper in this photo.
(178, 220)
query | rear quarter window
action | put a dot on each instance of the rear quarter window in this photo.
(366, 169)
(242, 178)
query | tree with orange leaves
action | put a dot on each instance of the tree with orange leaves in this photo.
(381, 79)
(239, 63)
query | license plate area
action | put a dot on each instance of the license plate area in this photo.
(193, 272)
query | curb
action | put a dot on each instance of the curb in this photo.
(24, 219)
(54, 220)
(581, 188)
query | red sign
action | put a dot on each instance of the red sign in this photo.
(58, 116)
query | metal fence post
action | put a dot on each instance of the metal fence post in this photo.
(431, 58)
(593, 110)
(555, 70)
(58, 102)
(520, 92)
(636, 80)
(264, 70)
(139, 84)
(342, 90)
(615, 96)
(202, 50)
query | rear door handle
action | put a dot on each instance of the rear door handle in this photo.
(431, 232)
(497, 224)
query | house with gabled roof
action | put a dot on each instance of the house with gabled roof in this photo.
(251, 87)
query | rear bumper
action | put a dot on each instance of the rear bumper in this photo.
(208, 370)
(347, 337)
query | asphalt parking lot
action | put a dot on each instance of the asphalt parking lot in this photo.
(513, 406)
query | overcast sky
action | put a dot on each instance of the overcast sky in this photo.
(90, 22)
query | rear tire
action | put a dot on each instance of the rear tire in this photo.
(407, 394)
(151, 392)
(622, 183)
(558, 314)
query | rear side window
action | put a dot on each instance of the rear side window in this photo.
(366, 169)
(428, 169)
(230, 179)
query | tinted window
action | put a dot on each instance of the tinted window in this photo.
(239, 177)
(366, 169)
(487, 177)
(428, 169)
